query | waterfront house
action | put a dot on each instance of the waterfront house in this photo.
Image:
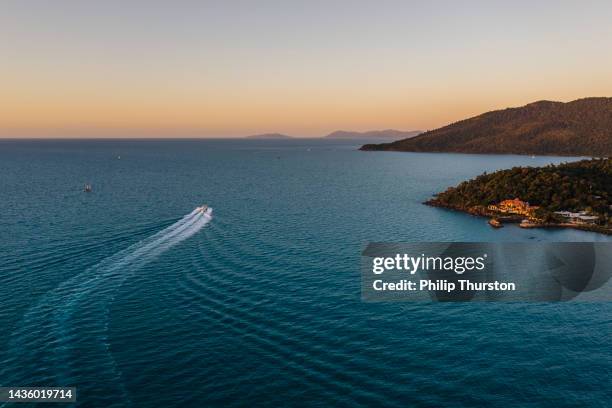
(515, 206)
(577, 217)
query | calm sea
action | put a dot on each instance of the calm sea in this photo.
(129, 296)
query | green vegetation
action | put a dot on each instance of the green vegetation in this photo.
(579, 128)
(578, 186)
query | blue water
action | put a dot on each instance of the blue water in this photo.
(126, 295)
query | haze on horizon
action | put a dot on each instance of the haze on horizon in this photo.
(304, 68)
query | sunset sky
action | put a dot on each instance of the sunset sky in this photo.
(305, 68)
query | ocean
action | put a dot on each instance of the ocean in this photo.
(136, 300)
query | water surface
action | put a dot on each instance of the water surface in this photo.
(262, 304)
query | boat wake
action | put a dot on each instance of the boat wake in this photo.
(65, 336)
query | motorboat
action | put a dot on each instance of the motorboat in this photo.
(204, 209)
(495, 223)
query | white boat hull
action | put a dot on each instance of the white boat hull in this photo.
(205, 210)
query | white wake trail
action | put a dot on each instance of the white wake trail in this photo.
(74, 316)
(141, 253)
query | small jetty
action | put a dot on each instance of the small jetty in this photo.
(530, 224)
(495, 223)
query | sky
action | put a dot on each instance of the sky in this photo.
(305, 68)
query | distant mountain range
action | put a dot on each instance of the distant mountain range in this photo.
(270, 136)
(390, 134)
(578, 128)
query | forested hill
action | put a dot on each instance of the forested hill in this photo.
(579, 128)
(576, 186)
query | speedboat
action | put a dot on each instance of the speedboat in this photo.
(204, 209)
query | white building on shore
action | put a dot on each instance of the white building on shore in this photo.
(578, 217)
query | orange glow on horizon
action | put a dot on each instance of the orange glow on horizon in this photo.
(121, 70)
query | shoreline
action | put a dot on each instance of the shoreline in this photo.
(515, 219)
(547, 154)
(583, 227)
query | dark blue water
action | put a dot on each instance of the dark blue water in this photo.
(124, 295)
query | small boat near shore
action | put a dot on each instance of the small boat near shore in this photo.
(495, 223)
(529, 224)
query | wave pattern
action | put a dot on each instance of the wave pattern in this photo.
(262, 307)
(224, 266)
(67, 329)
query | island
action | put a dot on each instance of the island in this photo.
(579, 128)
(569, 195)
